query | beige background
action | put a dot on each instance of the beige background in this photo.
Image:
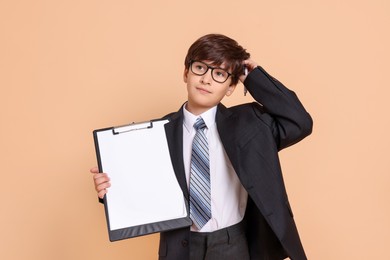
(68, 67)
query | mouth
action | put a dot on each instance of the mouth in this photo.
(202, 90)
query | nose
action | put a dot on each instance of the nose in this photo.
(206, 78)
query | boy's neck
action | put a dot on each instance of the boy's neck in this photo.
(196, 110)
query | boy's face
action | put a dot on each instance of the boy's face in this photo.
(204, 92)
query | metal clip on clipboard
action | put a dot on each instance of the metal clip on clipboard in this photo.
(132, 127)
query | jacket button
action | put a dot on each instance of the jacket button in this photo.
(184, 243)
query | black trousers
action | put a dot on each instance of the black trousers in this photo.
(225, 244)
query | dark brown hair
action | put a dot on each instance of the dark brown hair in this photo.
(218, 49)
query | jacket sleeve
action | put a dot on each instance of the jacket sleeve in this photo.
(288, 119)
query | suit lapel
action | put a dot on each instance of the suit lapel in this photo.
(225, 123)
(174, 134)
(228, 130)
(223, 115)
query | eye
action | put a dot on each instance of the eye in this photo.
(220, 74)
(199, 67)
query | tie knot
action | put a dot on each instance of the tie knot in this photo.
(200, 124)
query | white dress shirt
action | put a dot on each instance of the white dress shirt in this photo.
(228, 196)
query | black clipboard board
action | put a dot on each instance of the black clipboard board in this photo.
(144, 196)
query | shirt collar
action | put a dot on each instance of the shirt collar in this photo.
(208, 118)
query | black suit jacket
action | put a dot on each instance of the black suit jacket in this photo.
(252, 134)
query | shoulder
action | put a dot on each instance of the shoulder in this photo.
(244, 108)
(174, 115)
(169, 116)
(252, 111)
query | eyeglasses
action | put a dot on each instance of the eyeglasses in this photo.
(200, 68)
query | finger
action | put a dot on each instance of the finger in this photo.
(102, 186)
(94, 170)
(100, 175)
(102, 193)
(101, 180)
(250, 64)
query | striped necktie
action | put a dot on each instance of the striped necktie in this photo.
(200, 202)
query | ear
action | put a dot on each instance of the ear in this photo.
(230, 90)
(185, 75)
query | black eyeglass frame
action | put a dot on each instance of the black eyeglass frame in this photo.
(211, 68)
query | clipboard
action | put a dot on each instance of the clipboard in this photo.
(145, 196)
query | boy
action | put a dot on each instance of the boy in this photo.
(228, 168)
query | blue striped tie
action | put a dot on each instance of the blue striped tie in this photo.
(200, 202)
